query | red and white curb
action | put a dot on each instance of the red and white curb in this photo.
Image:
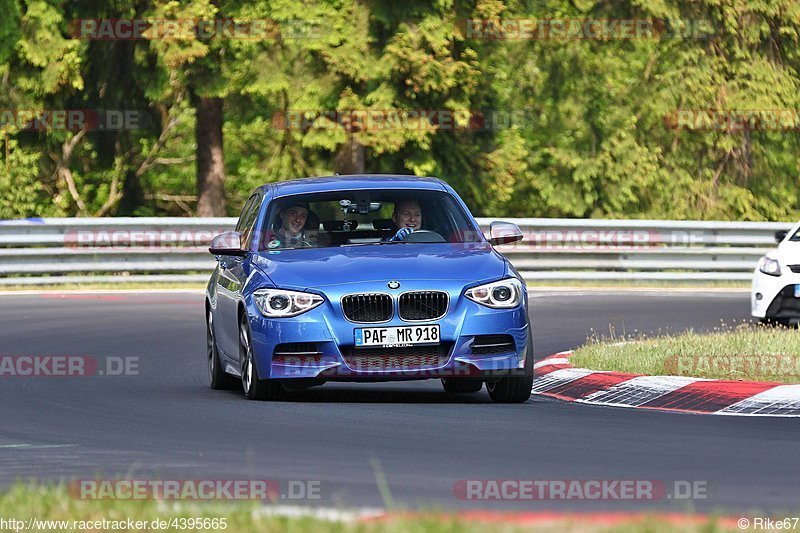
(557, 378)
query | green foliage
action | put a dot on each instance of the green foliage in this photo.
(595, 130)
(21, 194)
(9, 28)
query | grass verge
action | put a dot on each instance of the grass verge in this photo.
(44, 503)
(746, 352)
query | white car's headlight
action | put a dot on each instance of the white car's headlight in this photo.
(769, 266)
(278, 303)
(501, 294)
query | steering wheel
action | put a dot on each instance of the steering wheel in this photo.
(424, 235)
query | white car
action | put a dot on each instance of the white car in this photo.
(776, 283)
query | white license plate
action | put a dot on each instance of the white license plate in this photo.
(399, 336)
(797, 291)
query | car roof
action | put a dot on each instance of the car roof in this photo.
(353, 182)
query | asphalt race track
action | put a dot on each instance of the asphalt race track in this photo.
(165, 422)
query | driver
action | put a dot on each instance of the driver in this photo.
(291, 234)
(407, 216)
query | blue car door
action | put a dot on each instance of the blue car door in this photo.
(233, 273)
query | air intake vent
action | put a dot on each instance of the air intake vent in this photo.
(296, 353)
(492, 344)
(423, 305)
(296, 348)
(367, 307)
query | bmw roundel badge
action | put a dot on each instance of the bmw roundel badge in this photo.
(393, 284)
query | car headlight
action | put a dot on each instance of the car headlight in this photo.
(278, 303)
(502, 294)
(769, 266)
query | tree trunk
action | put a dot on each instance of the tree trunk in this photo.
(350, 157)
(210, 164)
(132, 193)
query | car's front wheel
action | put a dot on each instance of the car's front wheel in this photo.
(514, 389)
(510, 390)
(218, 379)
(254, 387)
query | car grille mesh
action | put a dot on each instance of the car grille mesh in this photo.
(785, 305)
(370, 307)
(397, 359)
(423, 305)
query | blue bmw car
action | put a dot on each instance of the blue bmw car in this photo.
(365, 278)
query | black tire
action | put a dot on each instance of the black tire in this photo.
(218, 379)
(461, 385)
(253, 386)
(514, 389)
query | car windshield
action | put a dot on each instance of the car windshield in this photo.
(365, 218)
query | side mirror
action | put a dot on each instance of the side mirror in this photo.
(228, 243)
(780, 235)
(504, 233)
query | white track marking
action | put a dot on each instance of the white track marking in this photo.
(551, 361)
(637, 391)
(783, 400)
(557, 378)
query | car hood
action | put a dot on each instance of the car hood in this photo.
(789, 252)
(321, 267)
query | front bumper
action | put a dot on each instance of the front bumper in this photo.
(329, 355)
(774, 296)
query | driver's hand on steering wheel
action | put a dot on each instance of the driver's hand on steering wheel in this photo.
(401, 234)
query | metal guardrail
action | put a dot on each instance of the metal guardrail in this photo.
(68, 250)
